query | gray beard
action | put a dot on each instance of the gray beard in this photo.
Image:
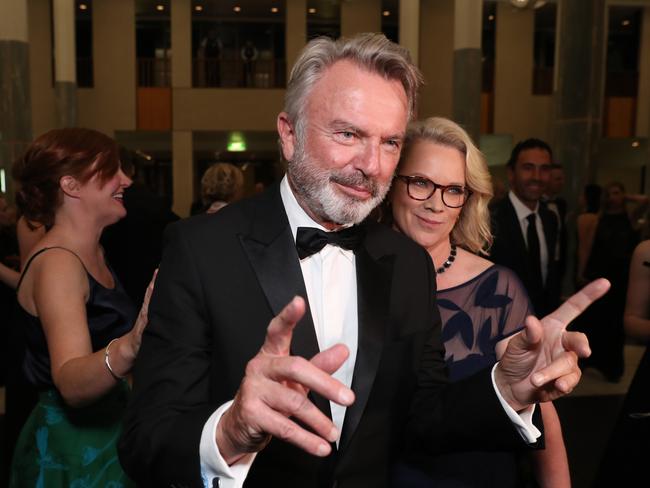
(314, 187)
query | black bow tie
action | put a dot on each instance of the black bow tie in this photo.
(310, 240)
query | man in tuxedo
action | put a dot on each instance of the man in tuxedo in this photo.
(554, 201)
(292, 344)
(525, 231)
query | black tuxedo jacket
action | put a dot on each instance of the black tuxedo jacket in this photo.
(509, 249)
(222, 279)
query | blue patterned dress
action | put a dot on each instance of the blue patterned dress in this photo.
(475, 315)
(61, 446)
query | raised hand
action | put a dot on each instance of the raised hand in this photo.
(541, 363)
(275, 387)
(135, 335)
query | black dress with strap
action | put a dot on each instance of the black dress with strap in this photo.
(65, 446)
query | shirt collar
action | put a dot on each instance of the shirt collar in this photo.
(521, 209)
(298, 217)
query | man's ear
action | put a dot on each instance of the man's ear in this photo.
(287, 136)
(70, 186)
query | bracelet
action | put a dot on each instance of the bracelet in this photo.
(108, 363)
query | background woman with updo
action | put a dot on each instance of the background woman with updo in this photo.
(222, 183)
(81, 328)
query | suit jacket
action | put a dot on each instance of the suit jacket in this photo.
(223, 277)
(509, 249)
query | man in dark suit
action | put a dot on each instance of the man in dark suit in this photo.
(525, 231)
(554, 201)
(350, 371)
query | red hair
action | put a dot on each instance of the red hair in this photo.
(80, 153)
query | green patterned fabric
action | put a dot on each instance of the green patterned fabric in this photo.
(62, 446)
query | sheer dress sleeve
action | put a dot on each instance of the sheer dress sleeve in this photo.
(477, 315)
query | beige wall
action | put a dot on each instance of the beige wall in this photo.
(225, 109)
(295, 31)
(40, 66)
(111, 104)
(436, 57)
(360, 16)
(516, 110)
(181, 35)
(182, 172)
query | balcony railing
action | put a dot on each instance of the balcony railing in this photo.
(154, 72)
(236, 73)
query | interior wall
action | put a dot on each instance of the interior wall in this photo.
(111, 104)
(235, 109)
(360, 16)
(516, 110)
(436, 57)
(40, 67)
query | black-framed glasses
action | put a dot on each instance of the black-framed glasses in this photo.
(421, 188)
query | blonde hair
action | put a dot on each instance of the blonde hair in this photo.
(472, 231)
(221, 182)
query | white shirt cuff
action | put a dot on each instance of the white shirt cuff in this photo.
(523, 421)
(212, 464)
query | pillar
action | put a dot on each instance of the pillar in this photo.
(65, 62)
(181, 37)
(182, 171)
(295, 31)
(409, 27)
(577, 101)
(15, 101)
(468, 18)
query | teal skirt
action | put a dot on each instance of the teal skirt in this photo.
(61, 446)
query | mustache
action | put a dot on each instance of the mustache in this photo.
(356, 179)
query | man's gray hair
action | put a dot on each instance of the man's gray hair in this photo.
(370, 51)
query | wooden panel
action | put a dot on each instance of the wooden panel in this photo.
(620, 117)
(487, 113)
(154, 108)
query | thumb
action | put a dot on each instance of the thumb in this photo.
(533, 333)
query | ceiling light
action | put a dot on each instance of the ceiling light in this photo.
(237, 8)
(83, 6)
(519, 3)
(490, 17)
(160, 8)
(274, 10)
(311, 10)
(635, 144)
(198, 8)
(625, 22)
(386, 13)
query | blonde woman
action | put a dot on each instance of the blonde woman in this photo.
(440, 199)
(221, 184)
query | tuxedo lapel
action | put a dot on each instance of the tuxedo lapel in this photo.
(513, 228)
(373, 297)
(272, 253)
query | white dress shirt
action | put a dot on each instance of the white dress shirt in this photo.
(523, 212)
(331, 284)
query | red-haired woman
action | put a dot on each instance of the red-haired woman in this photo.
(81, 328)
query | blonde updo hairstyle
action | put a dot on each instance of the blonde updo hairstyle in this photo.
(472, 231)
(221, 182)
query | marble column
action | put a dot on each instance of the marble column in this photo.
(577, 101)
(468, 17)
(578, 97)
(409, 27)
(15, 101)
(65, 62)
